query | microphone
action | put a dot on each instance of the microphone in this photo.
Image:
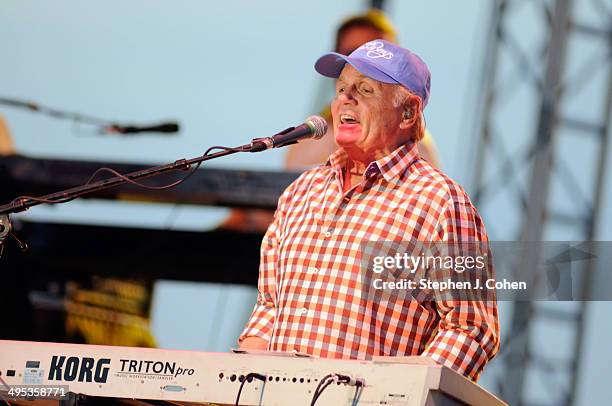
(315, 127)
(166, 128)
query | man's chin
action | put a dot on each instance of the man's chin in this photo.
(347, 138)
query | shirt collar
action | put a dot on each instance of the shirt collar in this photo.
(389, 166)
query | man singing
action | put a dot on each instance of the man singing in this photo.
(374, 188)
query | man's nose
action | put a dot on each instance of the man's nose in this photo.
(347, 95)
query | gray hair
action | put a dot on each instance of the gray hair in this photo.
(401, 96)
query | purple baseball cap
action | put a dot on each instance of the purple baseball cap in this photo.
(383, 61)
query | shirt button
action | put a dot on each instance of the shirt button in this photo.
(314, 270)
(328, 234)
(303, 310)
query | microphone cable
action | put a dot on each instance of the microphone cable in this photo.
(128, 180)
(330, 379)
(248, 377)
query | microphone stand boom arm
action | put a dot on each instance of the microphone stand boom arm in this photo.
(24, 203)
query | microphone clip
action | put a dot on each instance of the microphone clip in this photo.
(6, 230)
(262, 144)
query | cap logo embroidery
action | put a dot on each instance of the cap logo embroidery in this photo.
(376, 50)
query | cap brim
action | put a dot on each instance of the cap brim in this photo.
(332, 63)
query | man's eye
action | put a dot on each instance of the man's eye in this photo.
(340, 90)
(366, 90)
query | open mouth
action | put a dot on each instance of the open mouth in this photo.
(348, 119)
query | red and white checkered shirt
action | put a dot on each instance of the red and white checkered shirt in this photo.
(310, 299)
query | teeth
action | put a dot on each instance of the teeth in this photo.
(347, 118)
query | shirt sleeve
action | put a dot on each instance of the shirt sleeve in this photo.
(468, 330)
(261, 322)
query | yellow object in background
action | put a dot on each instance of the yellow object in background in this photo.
(113, 312)
(6, 141)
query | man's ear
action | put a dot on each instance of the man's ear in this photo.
(410, 115)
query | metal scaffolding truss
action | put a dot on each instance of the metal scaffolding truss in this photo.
(543, 127)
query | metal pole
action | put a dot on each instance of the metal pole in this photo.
(487, 94)
(591, 236)
(538, 198)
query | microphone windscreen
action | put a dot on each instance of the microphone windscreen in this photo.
(169, 128)
(319, 126)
